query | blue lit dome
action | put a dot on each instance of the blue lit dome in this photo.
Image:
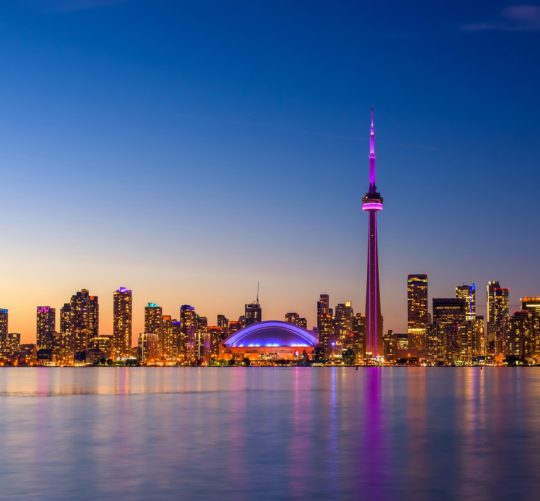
(271, 334)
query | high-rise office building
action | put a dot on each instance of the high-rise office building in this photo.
(45, 327)
(122, 322)
(100, 348)
(497, 304)
(9, 346)
(372, 203)
(468, 294)
(325, 325)
(518, 342)
(499, 315)
(531, 303)
(448, 318)
(80, 321)
(203, 348)
(292, 317)
(295, 319)
(4, 317)
(188, 329)
(153, 324)
(94, 316)
(170, 342)
(7, 340)
(215, 334)
(359, 346)
(417, 311)
(253, 313)
(177, 333)
(222, 322)
(153, 318)
(148, 348)
(343, 326)
(479, 342)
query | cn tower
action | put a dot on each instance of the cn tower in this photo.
(372, 202)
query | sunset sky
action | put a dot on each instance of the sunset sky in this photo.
(188, 150)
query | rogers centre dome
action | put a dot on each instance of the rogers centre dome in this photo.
(271, 334)
(265, 341)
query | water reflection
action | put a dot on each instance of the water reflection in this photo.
(383, 433)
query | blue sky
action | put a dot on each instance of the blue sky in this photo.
(189, 149)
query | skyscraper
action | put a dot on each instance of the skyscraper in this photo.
(45, 325)
(518, 340)
(188, 329)
(93, 317)
(295, 319)
(372, 202)
(325, 324)
(169, 341)
(359, 337)
(4, 316)
(417, 311)
(343, 326)
(468, 294)
(153, 323)
(82, 323)
(531, 303)
(153, 318)
(497, 316)
(122, 320)
(449, 320)
(501, 317)
(253, 313)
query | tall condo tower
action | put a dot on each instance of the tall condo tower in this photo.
(373, 203)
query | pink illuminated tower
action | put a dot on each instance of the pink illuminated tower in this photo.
(372, 202)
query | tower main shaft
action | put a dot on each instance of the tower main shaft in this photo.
(372, 202)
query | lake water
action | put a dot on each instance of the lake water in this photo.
(267, 433)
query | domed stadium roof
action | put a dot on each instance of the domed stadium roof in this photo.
(271, 334)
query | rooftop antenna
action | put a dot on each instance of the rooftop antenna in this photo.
(257, 292)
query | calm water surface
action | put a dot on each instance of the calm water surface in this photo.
(389, 433)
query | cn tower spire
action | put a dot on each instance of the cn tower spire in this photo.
(372, 203)
(372, 157)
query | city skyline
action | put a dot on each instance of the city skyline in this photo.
(139, 165)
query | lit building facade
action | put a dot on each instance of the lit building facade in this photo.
(417, 311)
(4, 321)
(468, 294)
(497, 304)
(9, 347)
(45, 327)
(295, 319)
(148, 349)
(253, 313)
(448, 319)
(325, 325)
(170, 341)
(100, 349)
(359, 345)
(122, 323)
(79, 322)
(188, 329)
(518, 343)
(343, 326)
(531, 303)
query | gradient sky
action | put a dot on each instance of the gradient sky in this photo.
(188, 150)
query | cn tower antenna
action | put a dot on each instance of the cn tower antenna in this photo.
(257, 292)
